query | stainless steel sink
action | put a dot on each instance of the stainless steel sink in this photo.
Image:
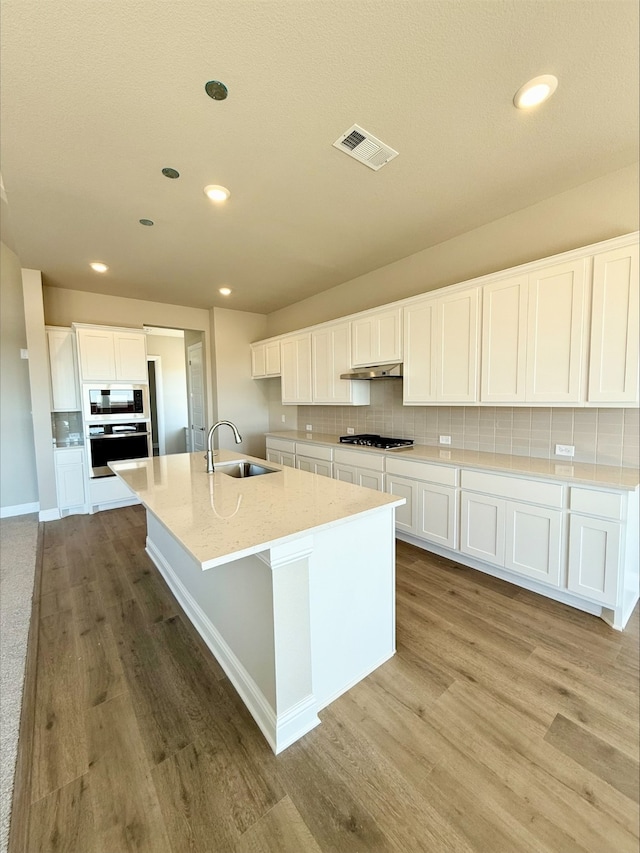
(243, 469)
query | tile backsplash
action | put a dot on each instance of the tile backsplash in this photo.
(603, 436)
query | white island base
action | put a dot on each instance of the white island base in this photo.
(296, 625)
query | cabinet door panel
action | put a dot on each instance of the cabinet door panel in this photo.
(533, 537)
(258, 361)
(97, 357)
(305, 464)
(457, 347)
(369, 479)
(323, 469)
(437, 514)
(556, 319)
(405, 515)
(363, 341)
(131, 356)
(419, 381)
(70, 481)
(288, 460)
(482, 527)
(594, 554)
(272, 358)
(345, 473)
(63, 366)
(613, 364)
(389, 344)
(504, 340)
(296, 369)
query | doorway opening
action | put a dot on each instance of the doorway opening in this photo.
(156, 404)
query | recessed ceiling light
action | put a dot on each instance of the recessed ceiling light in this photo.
(147, 222)
(216, 90)
(171, 173)
(225, 291)
(96, 266)
(216, 193)
(535, 91)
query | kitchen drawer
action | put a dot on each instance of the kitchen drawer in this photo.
(593, 502)
(69, 455)
(361, 460)
(531, 491)
(104, 489)
(314, 451)
(444, 475)
(282, 444)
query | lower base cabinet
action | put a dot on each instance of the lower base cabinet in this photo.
(70, 480)
(594, 558)
(281, 451)
(361, 469)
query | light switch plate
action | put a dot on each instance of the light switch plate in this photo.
(445, 439)
(565, 449)
(309, 428)
(350, 431)
(284, 419)
(24, 353)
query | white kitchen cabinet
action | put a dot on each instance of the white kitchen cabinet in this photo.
(407, 515)
(441, 349)
(63, 370)
(295, 353)
(482, 527)
(594, 557)
(613, 361)
(317, 459)
(504, 341)
(70, 480)
(112, 355)
(281, 451)
(438, 514)
(533, 542)
(361, 469)
(330, 357)
(265, 359)
(557, 315)
(376, 338)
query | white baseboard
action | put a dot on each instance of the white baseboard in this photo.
(19, 509)
(49, 514)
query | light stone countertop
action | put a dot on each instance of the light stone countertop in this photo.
(219, 518)
(576, 473)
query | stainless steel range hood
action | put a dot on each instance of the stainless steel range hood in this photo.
(380, 371)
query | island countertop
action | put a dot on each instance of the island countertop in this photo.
(218, 518)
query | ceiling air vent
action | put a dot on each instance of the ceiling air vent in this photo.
(363, 146)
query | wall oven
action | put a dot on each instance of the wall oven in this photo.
(115, 400)
(109, 442)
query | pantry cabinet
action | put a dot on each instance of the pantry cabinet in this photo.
(376, 338)
(265, 359)
(63, 370)
(613, 363)
(112, 355)
(441, 349)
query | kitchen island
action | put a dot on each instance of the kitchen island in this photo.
(289, 577)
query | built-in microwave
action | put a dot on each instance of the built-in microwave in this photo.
(115, 400)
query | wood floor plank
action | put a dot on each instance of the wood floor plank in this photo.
(80, 566)
(602, 759)
(164, 724)
(55, 575)
(126, 811)
(54, 602)
(62, 822)
(100, 668)
(281, 830)
(112, 581)
(149, 589)
(59, 746)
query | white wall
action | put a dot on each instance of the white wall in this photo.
(240, 399)
(173, 367)
(18, 479)
(598, 210)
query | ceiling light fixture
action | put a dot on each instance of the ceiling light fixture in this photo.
(535, 91)
(216, 193)
(147, 222)
(216, 90)
(97, 266)
(225, 291)
(171, 173)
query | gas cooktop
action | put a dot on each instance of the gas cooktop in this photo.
(377, 441)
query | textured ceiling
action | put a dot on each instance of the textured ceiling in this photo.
(98, 97)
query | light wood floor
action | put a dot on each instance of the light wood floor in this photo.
(505, 723)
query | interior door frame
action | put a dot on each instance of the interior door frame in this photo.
(157, 366)
(191, 347)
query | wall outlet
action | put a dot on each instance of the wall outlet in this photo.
(284, 419)
(24, 353)
(309, 428)
(350, 431)
(565, 449)
(445, 439)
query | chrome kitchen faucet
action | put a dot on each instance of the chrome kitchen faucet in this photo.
(209, 456)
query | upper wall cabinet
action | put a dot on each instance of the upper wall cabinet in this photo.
(295, 354)
(613, 363)
(112, 355)
(376, 338)
(265, 359)
(441, 349)
(534, 336)
(330, 356)
(63, 369)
